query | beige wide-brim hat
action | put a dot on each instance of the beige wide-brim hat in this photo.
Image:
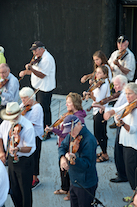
(11, 112)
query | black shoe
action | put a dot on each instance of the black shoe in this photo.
(113, 126)
(118, 180)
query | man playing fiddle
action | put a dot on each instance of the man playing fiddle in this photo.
(122, 61)
(18, 138)
(9, 86)
(42, 77)
(119, 82)
(82, 169)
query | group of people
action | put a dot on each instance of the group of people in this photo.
(23, 126)
(24, 115)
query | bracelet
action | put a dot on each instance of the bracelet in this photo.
(122, 123)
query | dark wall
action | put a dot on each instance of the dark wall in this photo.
(72, 31)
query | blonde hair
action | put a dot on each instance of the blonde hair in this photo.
(76, 99)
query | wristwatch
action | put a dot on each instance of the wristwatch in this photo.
(19, 149)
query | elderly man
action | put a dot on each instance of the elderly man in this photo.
(81, 164)
(119, 82)
(18, 138)
(9, 86)
(42, 77)
(122, 61)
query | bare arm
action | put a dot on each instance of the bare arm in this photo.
(124, 70)
(2, 153)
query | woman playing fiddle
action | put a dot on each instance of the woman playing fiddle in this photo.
(99, 127)
(34, 113)
(74, 105)
(99, 59)
(127, 119)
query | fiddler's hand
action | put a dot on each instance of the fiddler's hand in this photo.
(107, 115)
(116, 63)
(83, 79)
(63, 163)
(70, 156)
(49, 129)
(22, 74)
(13, 150)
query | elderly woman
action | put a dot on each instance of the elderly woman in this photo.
(34, 113)
(128, 133)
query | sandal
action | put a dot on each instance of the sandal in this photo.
(67, 198)
(60, 191)
(102, 159)
(99, 154)
(127, 199)
(130, 205)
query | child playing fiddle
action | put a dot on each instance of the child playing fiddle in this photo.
(99, 127)
(99, 59)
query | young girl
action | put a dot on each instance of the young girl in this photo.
(100, 127)
(99, 59)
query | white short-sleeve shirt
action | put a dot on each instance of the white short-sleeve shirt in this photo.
(27, 135)
(35, 116)
(128, 62)
(47, 67)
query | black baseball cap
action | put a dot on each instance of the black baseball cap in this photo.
(36, 44)
(122, 38)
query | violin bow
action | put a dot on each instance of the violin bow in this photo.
(96, 201)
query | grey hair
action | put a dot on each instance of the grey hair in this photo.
(42, 47)
(131, 86)
(122, 78)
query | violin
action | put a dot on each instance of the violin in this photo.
(15, 138)
(122, 55)
(27, 108)
(128, 109)
(56, 123)
(106, 100)
(94, 85)
(34, 61)
(74, 146)
(3, 83)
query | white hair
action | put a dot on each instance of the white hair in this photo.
(1, 49)
(27, 91)
(132, 86)
(122, 78)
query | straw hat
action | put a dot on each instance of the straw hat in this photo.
(11, 112)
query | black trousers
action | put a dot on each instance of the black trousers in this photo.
(130, 159)
(100, 131)
(36, 156)
(118, 156)
(20, 176)
(80, 198)
(44, 98)
(65, 181)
